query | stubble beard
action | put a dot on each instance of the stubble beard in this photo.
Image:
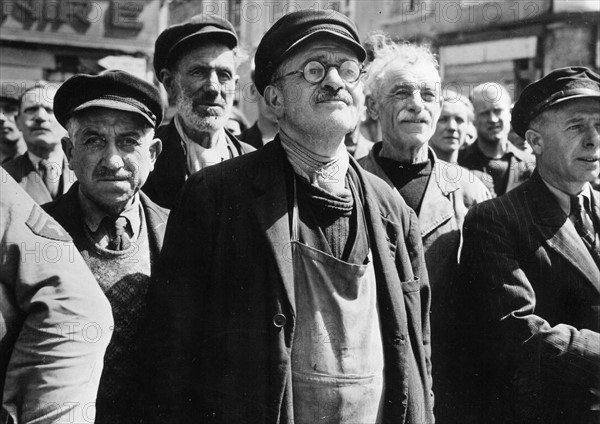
(197, 117)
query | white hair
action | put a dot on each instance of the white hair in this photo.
(386, 51)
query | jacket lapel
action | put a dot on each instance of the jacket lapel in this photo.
(436, 207)
(271, 209)
(559, 232)
(32, 182)
(156, 222)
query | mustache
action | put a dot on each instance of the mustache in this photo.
(201, 101)
(405, 115)
(102, 172)
(330, 95)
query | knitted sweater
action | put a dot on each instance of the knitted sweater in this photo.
(124, 277)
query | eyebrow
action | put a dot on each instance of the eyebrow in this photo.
(324, 59)
(209, 67)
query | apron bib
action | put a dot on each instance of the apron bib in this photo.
(337, 355)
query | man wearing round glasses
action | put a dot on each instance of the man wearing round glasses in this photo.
(301, 293)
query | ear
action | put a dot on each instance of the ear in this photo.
(67, 145)
(155, 150)
(274, 100)
(535, 140)
(372, 108)
(168, 80)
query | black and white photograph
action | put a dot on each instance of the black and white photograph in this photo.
(300, 212)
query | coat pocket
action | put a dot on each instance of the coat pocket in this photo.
(411, 286)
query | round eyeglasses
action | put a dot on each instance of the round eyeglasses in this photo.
(314, 71)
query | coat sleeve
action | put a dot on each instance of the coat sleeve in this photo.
(502, 297)
(175, 299)
(55, 322)
(416, 252)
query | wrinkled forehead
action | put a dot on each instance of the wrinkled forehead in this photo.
(417, 75)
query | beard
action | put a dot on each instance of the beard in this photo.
(197, 116)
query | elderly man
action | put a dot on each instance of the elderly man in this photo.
(452, 127)
(43, 170)
(118, 230)
(54, 320)
(502, 165)
(531, 260)
(11, 138)
(196, 61)
(300, 293)
(406, 99)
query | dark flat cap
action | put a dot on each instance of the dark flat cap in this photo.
(556, 87)
(113, 90)
(294, 30)
(171, 41)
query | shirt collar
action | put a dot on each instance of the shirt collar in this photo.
(57, 158)
(93, 215)
(564, 199)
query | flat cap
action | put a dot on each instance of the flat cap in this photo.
(558, 86)
(171, 41)
(113, 90)
(294, 30)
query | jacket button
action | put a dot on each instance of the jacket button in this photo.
(279, 320)
(398, 340)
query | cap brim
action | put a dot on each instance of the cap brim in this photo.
(230, 39)
(116, 105)
(360, 50)
(592, 94)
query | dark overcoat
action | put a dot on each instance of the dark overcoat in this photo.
(223, 311)
(530, 302)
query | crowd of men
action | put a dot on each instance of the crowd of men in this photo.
(173, 273)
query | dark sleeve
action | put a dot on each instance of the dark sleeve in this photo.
(506, 302)
(175, 300)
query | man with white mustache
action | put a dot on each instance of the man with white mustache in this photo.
(196, 61)
(503, 165)
(404, 91)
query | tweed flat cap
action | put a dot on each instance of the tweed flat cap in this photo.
(113, 90)
(294, 30)
(171, 41)
(556, 87)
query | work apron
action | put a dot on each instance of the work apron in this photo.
(337, 355)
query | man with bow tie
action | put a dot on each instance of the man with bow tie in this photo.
(111, 146)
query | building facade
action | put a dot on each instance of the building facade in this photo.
(512, 42)
(54, 39)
